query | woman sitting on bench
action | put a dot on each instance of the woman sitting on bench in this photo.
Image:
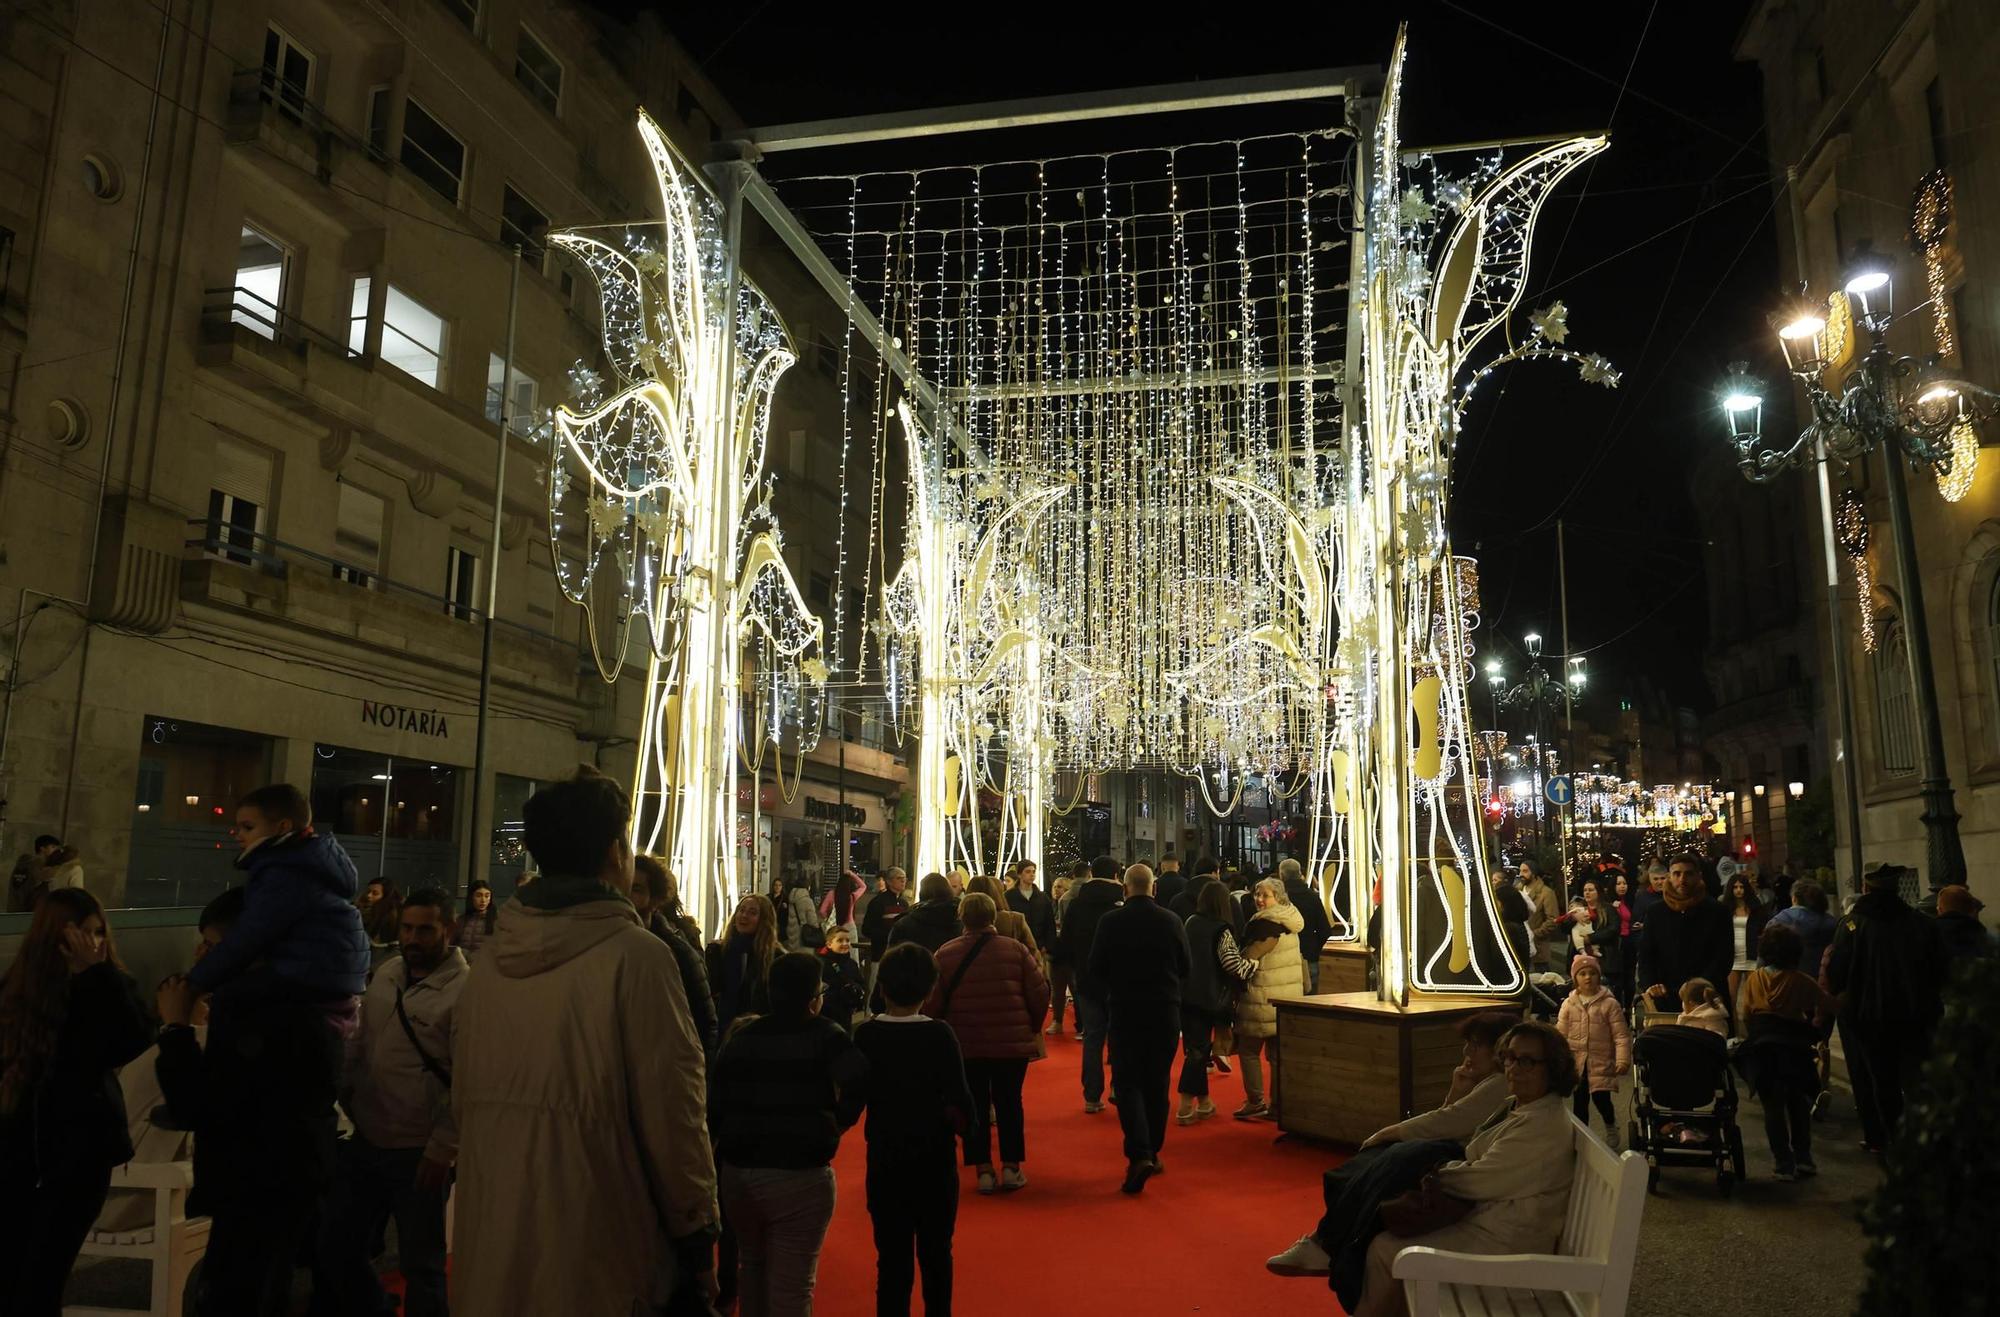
(1395, 1159)
(1511, 1191)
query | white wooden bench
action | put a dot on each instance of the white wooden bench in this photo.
(1589, 1276)
(172, 1244)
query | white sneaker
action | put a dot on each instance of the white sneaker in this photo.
(1305, 1258)
(1011, 1178)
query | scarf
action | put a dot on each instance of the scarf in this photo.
(552, 891)
(1697, 893)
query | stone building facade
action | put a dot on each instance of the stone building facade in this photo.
(255, 261)
(1863, 101)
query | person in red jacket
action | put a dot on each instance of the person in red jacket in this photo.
(991, 991)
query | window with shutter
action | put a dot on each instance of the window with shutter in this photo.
(357, 536)
(239, 498)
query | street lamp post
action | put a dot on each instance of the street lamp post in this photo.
(1913, 411)
(1540, 694)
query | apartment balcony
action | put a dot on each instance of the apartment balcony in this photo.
(296, 142)
(281, 358)
(229, 568)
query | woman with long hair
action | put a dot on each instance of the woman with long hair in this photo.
(480, 915)
(739, 962)
(1208, 998)
(1746, 920)
(69, 1018)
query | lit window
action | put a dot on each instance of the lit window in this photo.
(539, 73)
(432, 152)
(521, 416)
(413, 337)
(357, 536)
(522, 223)
(288, 73)
(258, 304)
(357, 316)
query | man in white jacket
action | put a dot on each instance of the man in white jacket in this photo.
(397, 1091)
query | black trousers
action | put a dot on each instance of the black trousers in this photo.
(41, 1229)
(252, 1247)
(1883, 1058)
(1581, 1097)
(372, 1185)
(1787, 1121)
(1142, 1069)
(1197, 1045)
(1353, 1193)
(914, 1209)
(996, 1088)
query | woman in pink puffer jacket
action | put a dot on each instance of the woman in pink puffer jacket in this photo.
(1594, 1024)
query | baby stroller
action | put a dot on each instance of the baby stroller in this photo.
(1684, 1104)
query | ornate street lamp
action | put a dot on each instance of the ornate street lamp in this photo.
(1913, 411)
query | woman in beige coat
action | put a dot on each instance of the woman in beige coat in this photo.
(1272, 940)
(1594, 1025)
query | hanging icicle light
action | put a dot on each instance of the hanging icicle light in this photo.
(1955, 480)
(1851, 527)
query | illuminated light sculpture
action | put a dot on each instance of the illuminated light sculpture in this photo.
(1930, 226)
(654, 514)
(1851, 526)
(1446, 266)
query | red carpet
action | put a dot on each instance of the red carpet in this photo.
(1194, 1242)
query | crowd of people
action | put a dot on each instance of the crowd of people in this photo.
(631, 1118)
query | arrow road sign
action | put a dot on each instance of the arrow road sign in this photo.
(1558, 789)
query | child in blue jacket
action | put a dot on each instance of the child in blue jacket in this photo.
(299, 919)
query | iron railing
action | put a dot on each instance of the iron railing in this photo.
(234, 304)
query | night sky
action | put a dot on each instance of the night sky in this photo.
(1663, 248)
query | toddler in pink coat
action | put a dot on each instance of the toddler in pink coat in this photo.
(1594, 1024)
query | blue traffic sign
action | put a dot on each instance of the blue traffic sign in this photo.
(1558, 789)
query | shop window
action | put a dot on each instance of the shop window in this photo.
(263, 269)
(539, 73)
(239, 497)
(396, 818)
(357, 536)
(432, 152)
(521, 415)
(288, 73)
(507, 859)
(190, 777)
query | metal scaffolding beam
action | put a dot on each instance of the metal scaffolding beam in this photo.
(786, 225)
(1218, 93)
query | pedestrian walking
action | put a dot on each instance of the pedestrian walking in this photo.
(1684, 935)
(1316, 927)
(918, 1101)
(1784, 1016)
(1139, 960)
(69, 1017)
(1088, 905)
(933, 920)
(477, 924)
(657, 901)
(786, 1085)
(846, 985)
(1887, 972)
(1217, 970)
(885, 909)
(1593, 1023)
(799, 924)
(397, 1092)
(992, 994)
(585, 1179)
(739, 962)
(1271, 939)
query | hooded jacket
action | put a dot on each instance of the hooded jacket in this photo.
(998, 1007)
(579, 1095)
(1888, 962)
(1272, 940)
(1598, 1037)
(298, 915)
(930, 924)
(1087, 905)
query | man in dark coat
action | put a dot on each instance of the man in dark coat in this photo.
(1887, 971)
(885, 909)
(1318, 927)
(1169, 883)
(1029, 901)
(1687, 936)
(933, 920)
(1088, 905)
(1958, 923)
(1138, 960)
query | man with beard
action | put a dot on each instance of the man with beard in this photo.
(1687, 936)
(397, 1091)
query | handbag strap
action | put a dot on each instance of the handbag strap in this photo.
(430, 1063)
(958, 975)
